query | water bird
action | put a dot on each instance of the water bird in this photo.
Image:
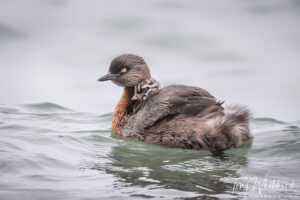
(174, 116)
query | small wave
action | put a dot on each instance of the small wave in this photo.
(106, 115)
(271, 120)
(45, 106)
(15, 128)
(259, 125)
(7, 110)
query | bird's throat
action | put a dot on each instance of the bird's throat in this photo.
(121, 109)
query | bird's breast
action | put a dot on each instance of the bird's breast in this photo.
(121, 110)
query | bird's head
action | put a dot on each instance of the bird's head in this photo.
(127, 70)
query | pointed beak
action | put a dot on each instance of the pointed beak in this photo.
(108, 77)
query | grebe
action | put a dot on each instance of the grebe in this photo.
(174, 116)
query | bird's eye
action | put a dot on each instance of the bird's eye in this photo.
(123, 70)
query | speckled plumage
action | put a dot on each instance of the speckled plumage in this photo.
(179, 116)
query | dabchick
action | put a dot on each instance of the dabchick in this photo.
(176, 115)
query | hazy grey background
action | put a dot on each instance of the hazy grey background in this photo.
(241, 51)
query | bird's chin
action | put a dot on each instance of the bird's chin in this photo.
(123, 84)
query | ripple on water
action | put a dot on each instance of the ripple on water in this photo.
(55, 151)
(45, 106)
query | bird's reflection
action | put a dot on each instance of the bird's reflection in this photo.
(143, 165)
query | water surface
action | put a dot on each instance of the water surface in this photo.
(51, 152)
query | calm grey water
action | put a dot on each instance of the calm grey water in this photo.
(55, 136)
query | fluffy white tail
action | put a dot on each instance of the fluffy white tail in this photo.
(230, 129)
